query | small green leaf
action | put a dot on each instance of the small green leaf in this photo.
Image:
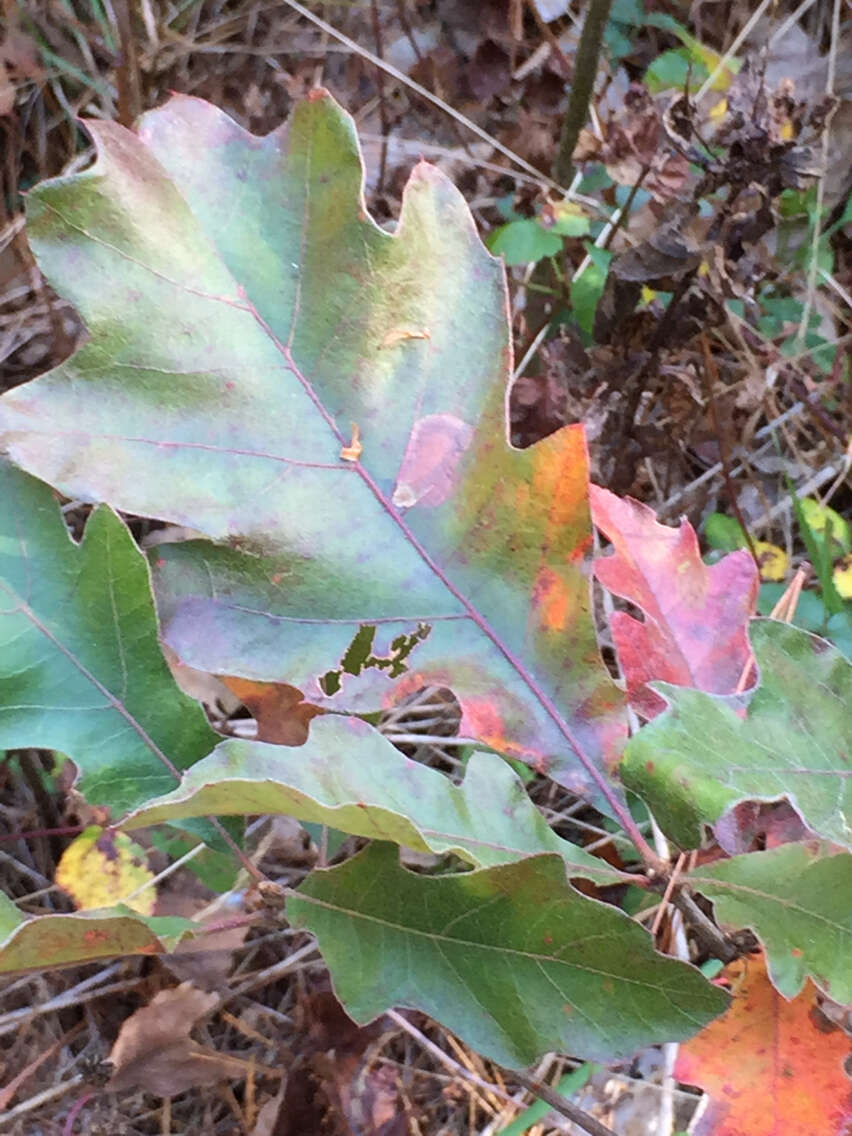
(671, 70)
(810, 613)
(724, 533)
(797, 898)
(524, 242)
(587, 288)
(512, 958)
(839, 631)
(569, 220)
(700, 758)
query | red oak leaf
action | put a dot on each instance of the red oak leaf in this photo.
(694, 633)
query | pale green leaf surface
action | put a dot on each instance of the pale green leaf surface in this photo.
(244, 312)
(81, 670)
(797, 898)
(350, 777)
(699, 758)
(511, 958)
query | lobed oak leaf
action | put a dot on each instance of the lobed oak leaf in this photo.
(768, 1067)
(255, 311)
(694, 633)
(82, 671)
(704, 756)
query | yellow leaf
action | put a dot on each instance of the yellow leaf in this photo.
(772, 560)
(719, 110)
(842, 576)
(817, 518)
(101, 868)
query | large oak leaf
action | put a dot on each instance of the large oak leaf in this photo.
(244, 312)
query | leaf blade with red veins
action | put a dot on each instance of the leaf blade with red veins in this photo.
(767, 1067)
(254, 314)
(694, 632)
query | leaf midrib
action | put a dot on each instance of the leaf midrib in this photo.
(244, 303)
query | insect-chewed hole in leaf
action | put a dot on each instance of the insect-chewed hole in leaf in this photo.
(433, 711)
(360, 656)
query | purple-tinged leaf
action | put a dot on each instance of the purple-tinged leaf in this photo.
(245, 315)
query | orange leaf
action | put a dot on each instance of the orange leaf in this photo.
(769, 1067)
(282, 716)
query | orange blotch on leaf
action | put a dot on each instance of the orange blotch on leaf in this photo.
(552, 599)
(481, 719)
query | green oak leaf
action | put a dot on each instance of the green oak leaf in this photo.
(81, 670)
(245, 315)
(349, 777)
(797, 898)
(700, 758)
(46, 941)
(511, 958)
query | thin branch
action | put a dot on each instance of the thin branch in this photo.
(561, 1104)
(444, 1058)
(705, 929)
(585, 73)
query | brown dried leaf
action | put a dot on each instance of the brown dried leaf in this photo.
(154, 1052)
(634, 146)
(282, 716)
(206, 961)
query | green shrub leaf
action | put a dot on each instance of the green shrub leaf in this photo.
(511, 958)
(348, 776)
(81, 670)
(700, 758)
(47, 941)
(798, 900)
(244, 312)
